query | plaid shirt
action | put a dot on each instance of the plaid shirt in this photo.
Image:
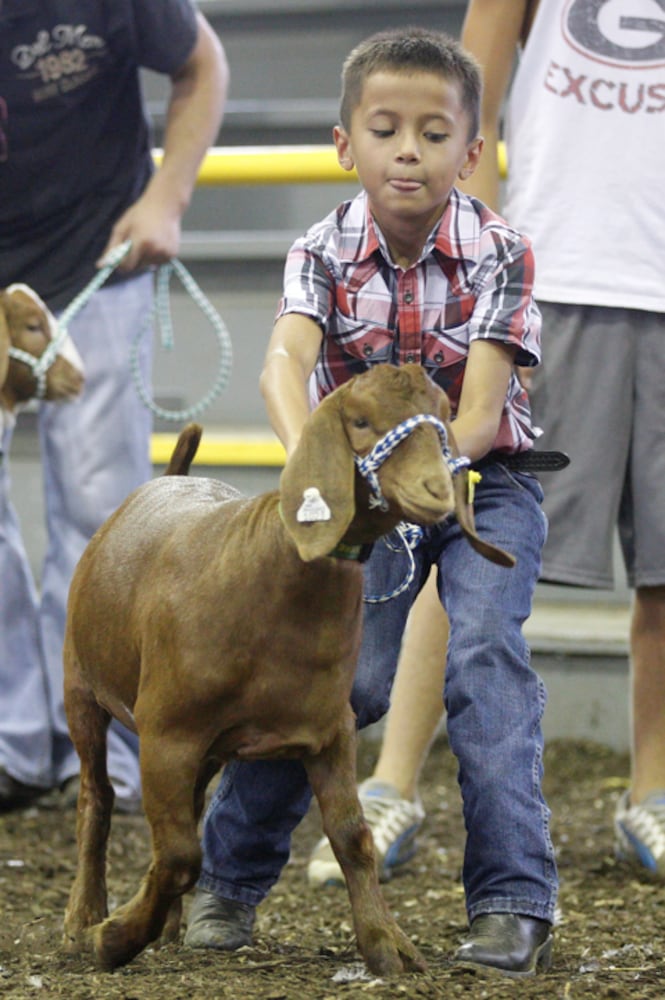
(473, 281)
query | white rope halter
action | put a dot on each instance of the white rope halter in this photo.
(41, 365)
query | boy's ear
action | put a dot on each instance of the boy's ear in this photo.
(343, 146)
(473, 151)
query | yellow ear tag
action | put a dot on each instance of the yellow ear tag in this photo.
(472, 478)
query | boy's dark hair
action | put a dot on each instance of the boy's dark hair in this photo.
(411, 50)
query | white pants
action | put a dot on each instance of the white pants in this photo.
(94, 452)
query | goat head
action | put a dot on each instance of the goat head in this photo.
(28, 326)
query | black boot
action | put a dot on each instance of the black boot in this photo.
(508, 943)
(14, 794)
(219, 923)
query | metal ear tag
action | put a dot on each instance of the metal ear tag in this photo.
(313, 507)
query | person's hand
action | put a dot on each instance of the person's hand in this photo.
(153, 232)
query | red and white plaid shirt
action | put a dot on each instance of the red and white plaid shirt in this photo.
(473, 281)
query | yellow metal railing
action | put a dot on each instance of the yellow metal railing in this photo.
(270, 165)
(255, 448)
(279, 165)
(231, 165)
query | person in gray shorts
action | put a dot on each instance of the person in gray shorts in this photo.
(582, 101)
(600, 396)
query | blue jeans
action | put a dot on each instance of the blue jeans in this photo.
(494, 701)
(95, 450)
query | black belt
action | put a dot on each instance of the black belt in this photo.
(526, 461)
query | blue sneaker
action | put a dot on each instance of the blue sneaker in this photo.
(640, 832)
(394, 823)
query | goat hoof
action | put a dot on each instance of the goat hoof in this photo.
(73, 944)
(111, 946)
(394, 956)
(412, 960)
(79, 940)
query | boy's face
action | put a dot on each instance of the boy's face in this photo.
(409, 143)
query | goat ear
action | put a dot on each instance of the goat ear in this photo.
(464, 514)
(317, 484)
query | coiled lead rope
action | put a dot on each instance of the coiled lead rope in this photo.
(162, 313)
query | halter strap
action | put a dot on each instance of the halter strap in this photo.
(368, 466)
(38, 370)
(409, 534)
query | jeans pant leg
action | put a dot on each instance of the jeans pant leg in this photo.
(257, 805)
(247, 830)
(384, 622)
(95, 451)
(495, 702)
(25, 721)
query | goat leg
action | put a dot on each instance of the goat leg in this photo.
(332, 774)
(169, 771)
(171, 930)
(89, 722)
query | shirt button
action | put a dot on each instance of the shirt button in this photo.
(410, 358)
(408, 298)
(438, 358)
(367, 350)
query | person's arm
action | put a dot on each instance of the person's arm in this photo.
(491, 32)
(196, 106)
(290, 358)
(486, 377)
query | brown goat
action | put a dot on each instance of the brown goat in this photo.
(218, 627)
(27, 325)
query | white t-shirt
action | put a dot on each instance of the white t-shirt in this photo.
(585, 130)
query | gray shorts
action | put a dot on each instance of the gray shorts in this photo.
(600, 396)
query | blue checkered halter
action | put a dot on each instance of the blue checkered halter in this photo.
(410, 534)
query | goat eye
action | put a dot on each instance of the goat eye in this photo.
(361, 423)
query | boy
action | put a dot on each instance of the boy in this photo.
(412, 271)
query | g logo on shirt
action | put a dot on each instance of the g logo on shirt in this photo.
(626, 33)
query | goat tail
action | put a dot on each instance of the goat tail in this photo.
(185, 449)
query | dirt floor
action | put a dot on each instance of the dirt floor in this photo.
(609, 941)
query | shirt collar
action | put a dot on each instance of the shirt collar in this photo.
(456, 234)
